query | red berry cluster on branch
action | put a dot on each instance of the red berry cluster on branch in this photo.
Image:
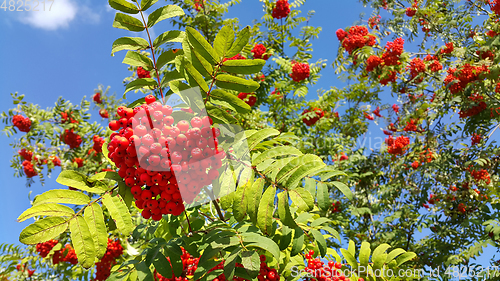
(70, 138)
(336, 207)
(97, 98)
(309, 121)
(44, 248)
(321, 272)
(142, 73)
(103, 267)
(66, 254)
(393, 51)
(417, 66)
(25, 154)
(281, 10)
(476, 139)
(22, 123)
(67, 116)
(397, 146)
(259, 51)
(356, 37)
(249, 98)
(300, 71)
(29, 170)
(98, 142)
(458, 79)
(103, 113)
(164, 163)
(481, 175)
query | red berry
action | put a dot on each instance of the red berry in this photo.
(150, 99)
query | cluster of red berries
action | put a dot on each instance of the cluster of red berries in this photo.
(415, 165)
(426, 156)
(387, 77)
(434, 65)
(393, 51)
(70, 138)
(374, 21)
(309, 121)
(281, 10)
(98, 142)
(276, 94)
(411, 126)
(373, 62)
(97, 98)
(411, 11)
(356, 37)
(162, 163)
(336, 207)
(473, 111)
(377, 112)
(29, 169)
(142, 73)
(44, 248)
(397, 146)
(265, 273)
(189, 266)
(457, 80)
(368, 116)
(395, 107)
(66, 254)
(22, 267)
(103, 267)
(300, 71)
(103, 113)
(22, 123)
(476, 139)
(78, 161)
(236, 57)
(321, 272)
(66, 116)
(26, 154)
(259, 51)
(249, 98)
(198, 5)
(448, 48)
(481, 175)
(417, 66)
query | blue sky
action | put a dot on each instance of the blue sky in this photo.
(66, 52)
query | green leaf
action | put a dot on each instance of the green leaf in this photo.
(128, 23)
(310, 185)
(364, 254)
(193, 76)
(163, 13)
(49, 210)
(63, 196)
(143, 272)
(243, 66)
(80, 181)
(162, 265)
(298, 241)
(302, 198)
(234, 101)
(95, 220)
(236, 83)
(201, 45)
(343, 188)
(167, 57)
(323, 196)
(394, 253)
(274, 152)
(140, 83)
(266, 210)
(240, 43)
(43, 230)
(136, 59)
(284, 210)
(262, 242)
(119, 212)
(259, 136)
(251, 262)
(294, 171)
(223, 41)
(320, 241)
(350, 259)
(169, 36)
(201, 64)
(230, 263)
(129, 43)
(254, 195)
(405, 257)
(145, 4)
(240, 201)
(82, 242)
(220, 116)
(124, 6)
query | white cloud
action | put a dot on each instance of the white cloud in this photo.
(60, 15)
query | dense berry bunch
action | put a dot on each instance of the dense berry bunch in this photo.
(476, 139)
(426, 156)
(448, 48)
(388, 77)
(397, 146)
(281, 10)
(236, 57)
(356, 37)
(70, 138)
(377, 112)
(103, 267)
(481, 175)
(476, 109)
(97, 98)
(457, 80)
(163, 163)
(98, 142)
(393, 51)
(434, 65)
(417, 66)
(22, 123)
(372, 63)
(410, 12)
(336, 207)
(198, 5)
(66, 254)
(142, 73)
(25, 154)
(374, 21)
(300, 71)
(189, 266)
(55, 160)
(309, 121)
(411, 126)
(321, 272)
(29, 170)
(415, 165)
(259, 51)
(395, 107)
(249, 98)
(368, 116)
(78, 161)
(44, 248)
